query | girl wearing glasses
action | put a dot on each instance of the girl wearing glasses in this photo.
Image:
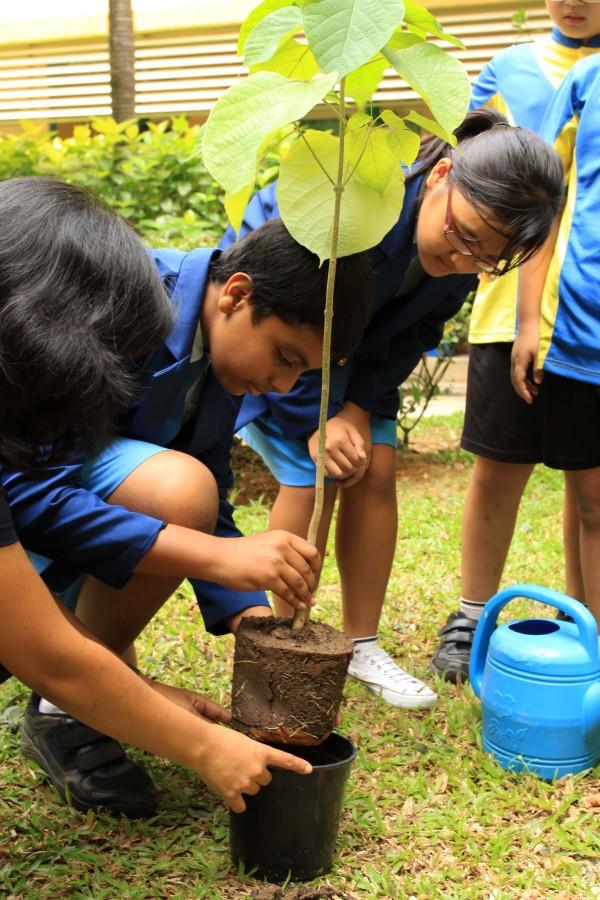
(479, 208)
(502, 431)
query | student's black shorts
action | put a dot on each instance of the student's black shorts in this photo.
(4, 674)
(560, 429)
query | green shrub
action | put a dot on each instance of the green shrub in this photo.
(154, 177)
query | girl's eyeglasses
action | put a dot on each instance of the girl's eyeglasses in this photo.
(461, 244)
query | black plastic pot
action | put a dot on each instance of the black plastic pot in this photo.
(290, 827)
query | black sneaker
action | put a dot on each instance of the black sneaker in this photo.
(451, 659)
(88, 769)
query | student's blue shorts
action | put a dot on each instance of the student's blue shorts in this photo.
(289, 460)
(101, 476)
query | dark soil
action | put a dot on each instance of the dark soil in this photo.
(253, 480)
(287, 685)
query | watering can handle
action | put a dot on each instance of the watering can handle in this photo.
(586, 623)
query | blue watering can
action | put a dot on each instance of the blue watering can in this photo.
(539, 685)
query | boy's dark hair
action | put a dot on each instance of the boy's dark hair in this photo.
(506, 172)
(288, 282)
(79, 298)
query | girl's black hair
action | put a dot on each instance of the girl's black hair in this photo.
(288, 282)
(79, 298)
(509, 174)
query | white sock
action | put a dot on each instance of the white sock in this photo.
(364, 644)
(49, 709)
(471, 608)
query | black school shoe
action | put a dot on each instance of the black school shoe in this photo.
(452, 657)
(88, 769)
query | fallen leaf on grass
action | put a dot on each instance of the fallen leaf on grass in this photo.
(408, 808)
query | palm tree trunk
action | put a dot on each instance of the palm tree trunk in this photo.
(122, 59)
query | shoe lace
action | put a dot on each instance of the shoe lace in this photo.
(383, 662)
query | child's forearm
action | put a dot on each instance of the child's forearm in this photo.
(46, 647)
(182, 552)
(532, 278)
(274, 561)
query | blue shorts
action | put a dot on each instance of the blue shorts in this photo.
(101, 476)
(289, 460)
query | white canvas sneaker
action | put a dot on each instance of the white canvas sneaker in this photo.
(378, 671)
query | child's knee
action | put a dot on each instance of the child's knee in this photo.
(175, 487)
(293, 497)
(380, 477)
(191, 496)
(588, 507)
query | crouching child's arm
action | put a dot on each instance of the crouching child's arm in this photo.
(48, 649)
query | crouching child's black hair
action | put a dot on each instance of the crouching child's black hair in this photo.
(289, 282)
(79, 298)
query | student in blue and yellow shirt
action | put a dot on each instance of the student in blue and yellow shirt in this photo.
(499, 429)
(559, 316)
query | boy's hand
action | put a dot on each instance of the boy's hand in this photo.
(523, 359)
(347, 445)
(233, 764)
(274, 561)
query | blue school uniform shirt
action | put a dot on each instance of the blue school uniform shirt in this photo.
(58, 518)
(520, 82)
(570, 312)
(403, 325)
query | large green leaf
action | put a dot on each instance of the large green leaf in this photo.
(362, 83)
(370, 158)
(235, 205)
(270, 33)
(344, 34)
(294, 60)
(440, 79)
(246, 114)
(430, 125)
(403, 140)
(306, 199)
(400, 40)
(257, 15)
(421, 22)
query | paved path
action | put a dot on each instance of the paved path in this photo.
(451, 398)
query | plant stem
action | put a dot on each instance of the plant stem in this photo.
(301, 616)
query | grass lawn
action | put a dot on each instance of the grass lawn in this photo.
(427, 814)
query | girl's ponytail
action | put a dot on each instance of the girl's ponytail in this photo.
(434, 148)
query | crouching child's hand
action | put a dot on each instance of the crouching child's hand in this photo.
(275, 561)
(232, 765)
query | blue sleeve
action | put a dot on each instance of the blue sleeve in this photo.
(262, 207)
(374, 383)
(561, 121)
(485, 87)
(55, 516)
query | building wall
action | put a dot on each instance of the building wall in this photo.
(57, 69)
